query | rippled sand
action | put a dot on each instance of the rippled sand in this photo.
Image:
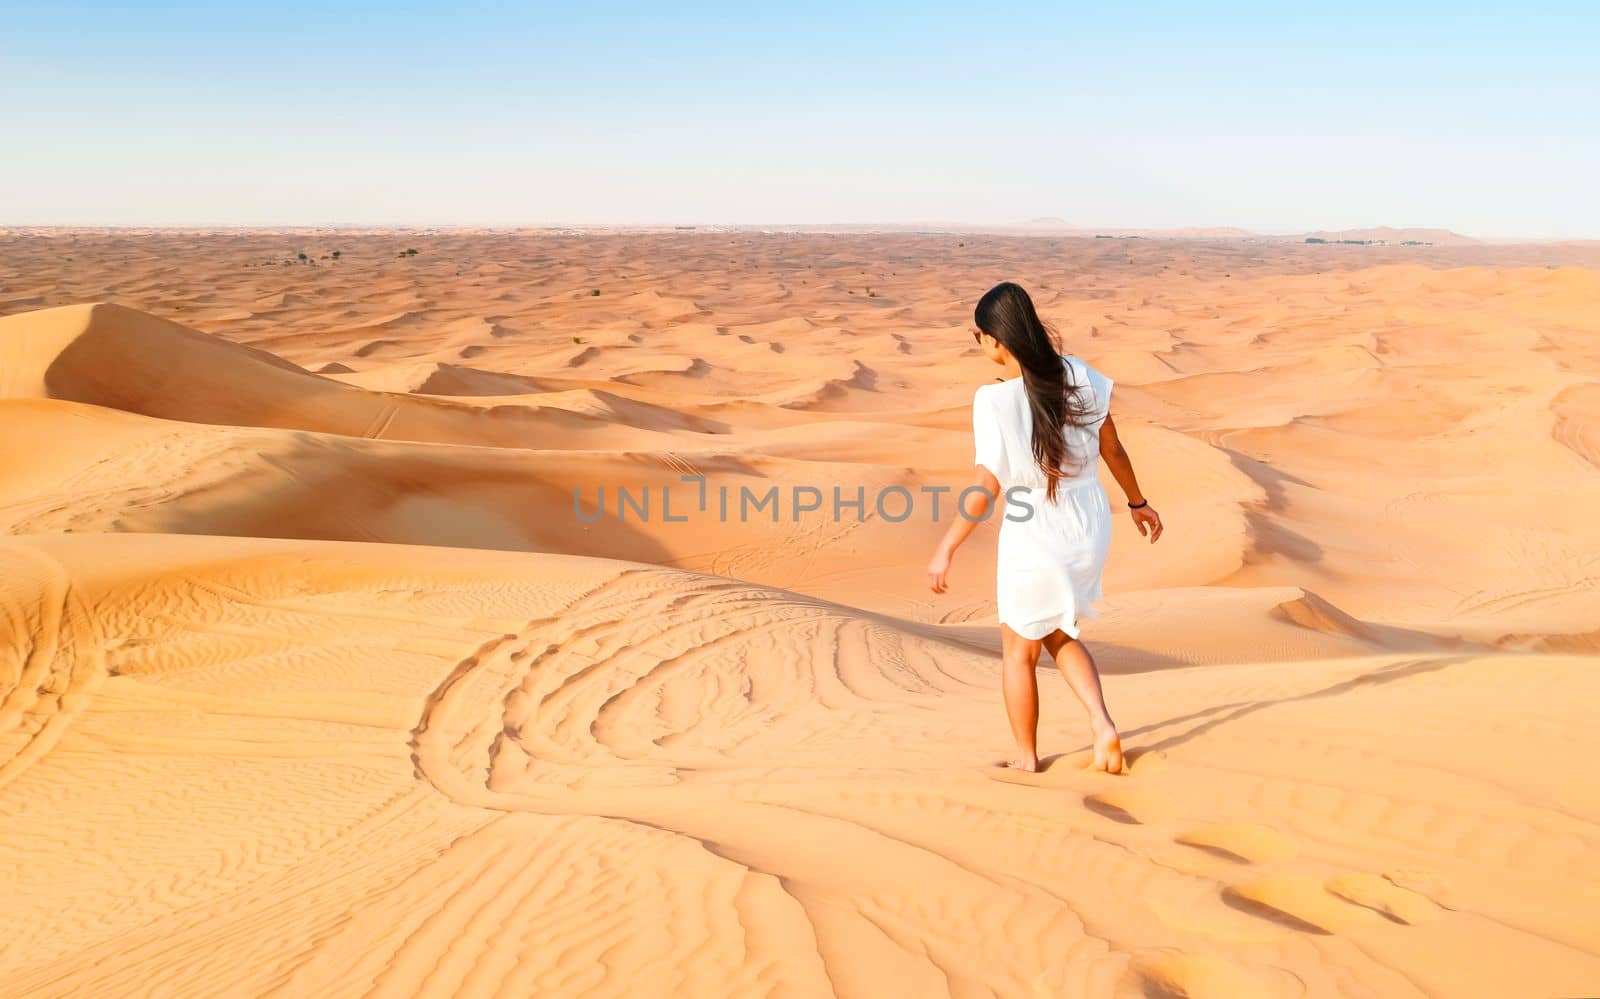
(246, 750)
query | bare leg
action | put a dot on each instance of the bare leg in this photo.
(1077, 667)
(1019, 657)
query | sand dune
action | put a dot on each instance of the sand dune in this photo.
(313, 680)
(489, 773)
(82, 469)
(1390, 234)
(109, 356)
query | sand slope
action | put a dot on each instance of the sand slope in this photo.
(500, 774)
(314, 682)
(114, 357)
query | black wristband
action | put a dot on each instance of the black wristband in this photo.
(1135, 506)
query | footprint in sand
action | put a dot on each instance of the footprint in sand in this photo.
(1244, 844)
(1051, 773)
(1344, 904)
(1300, 904)
(1060, 770)
(1130, 806)
(1428, 884)
(1193, 976)
(1143, 761)
(1387, 899)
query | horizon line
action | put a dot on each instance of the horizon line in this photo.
(1059, 228)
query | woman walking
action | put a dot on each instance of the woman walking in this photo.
(1037, 436)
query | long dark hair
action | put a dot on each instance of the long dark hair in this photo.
(1006, 313)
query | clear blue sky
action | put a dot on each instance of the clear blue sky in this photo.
(1267, 116)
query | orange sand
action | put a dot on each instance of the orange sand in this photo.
(245, 750)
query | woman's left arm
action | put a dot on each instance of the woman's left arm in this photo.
(973, 506)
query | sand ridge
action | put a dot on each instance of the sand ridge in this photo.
(321, 686)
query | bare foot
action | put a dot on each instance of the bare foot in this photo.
(1108, 751)
(1029, 764)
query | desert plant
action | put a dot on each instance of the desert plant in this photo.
(595, 293)
(302, 257)
(335, 254)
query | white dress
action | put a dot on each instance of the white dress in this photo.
(1050, 553)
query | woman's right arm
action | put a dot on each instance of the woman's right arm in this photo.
(1116, 458)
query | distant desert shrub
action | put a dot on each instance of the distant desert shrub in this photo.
(335, 254)
(595, 293)
(302, 257)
